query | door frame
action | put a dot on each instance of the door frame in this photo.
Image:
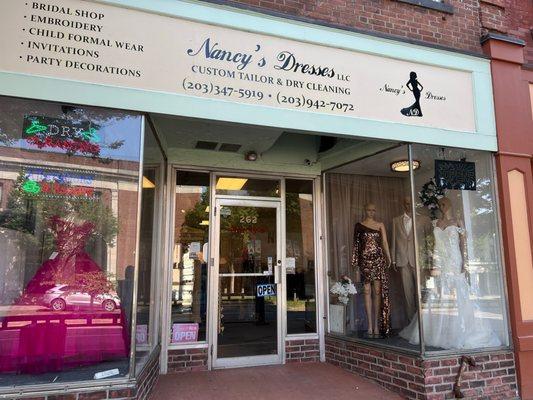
(246, 361)
(320, 273)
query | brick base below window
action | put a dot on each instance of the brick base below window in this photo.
(297, 351)
(184, 360)
(139, 391)
(493, 377)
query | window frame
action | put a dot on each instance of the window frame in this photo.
(422, 353)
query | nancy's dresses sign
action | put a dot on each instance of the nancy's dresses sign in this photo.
(80, 40)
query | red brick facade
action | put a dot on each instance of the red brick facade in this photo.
(140, 390)
(187, 360)
(299, 351)
(494, 376)
(461, 30)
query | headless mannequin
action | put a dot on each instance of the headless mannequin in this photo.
(446, 220)
(372, 290)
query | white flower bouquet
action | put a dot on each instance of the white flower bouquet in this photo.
(343, 289)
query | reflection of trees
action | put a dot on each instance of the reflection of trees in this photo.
(482, 220)
(191, 229)
(24, 210)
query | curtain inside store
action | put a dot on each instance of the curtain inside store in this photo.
(347, 196)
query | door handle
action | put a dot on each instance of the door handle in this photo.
(277, 273)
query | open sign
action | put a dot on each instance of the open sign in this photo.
(266, 290)
(183, 333)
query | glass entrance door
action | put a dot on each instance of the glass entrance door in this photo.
(247, 275)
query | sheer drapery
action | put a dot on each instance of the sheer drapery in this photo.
(347, 195)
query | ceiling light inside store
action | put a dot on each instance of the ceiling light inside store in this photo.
(403, 165)
(204, 222)
(147, 183)
(231, 183)
(207, 209)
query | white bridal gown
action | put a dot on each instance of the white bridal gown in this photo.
(451, 320)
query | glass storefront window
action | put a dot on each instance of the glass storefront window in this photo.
(190, 260)
(67, 238)
(370, 242)
(239, 186)
(149, 248)
(300, 257)
(455, 226)
(462, 300)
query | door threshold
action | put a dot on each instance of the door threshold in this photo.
(243, 362)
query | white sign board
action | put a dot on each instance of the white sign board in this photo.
(83, 41)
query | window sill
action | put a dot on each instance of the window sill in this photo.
(431, 4)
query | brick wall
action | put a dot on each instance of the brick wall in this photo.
(139, 391)
(298, 351)
(494, 377)
(148, 378)
(521, 24)
(460, 30)
(184, 360)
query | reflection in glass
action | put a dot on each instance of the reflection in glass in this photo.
(191, 255)
(237, 186)
(149, 248)
(247, 320)
(461, 290)
(300, 257)
(66, 271)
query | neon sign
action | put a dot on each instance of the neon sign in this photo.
(56, 189)
(74, 137)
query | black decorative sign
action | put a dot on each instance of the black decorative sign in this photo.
(455, 175)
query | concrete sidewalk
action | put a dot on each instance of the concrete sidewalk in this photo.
(279, 382)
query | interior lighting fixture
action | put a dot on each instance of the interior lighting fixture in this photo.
(147, 183)
(403, 165)
(231, 183)
(204, 222)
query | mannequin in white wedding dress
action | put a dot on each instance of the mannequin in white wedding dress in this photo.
(451, 319)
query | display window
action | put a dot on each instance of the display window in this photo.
(300, 257)
(70, 178)
(188, 301)
(416, 254)
(461, 286)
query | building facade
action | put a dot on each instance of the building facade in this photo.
(265, 182)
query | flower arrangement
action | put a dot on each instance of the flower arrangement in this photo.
(430, 195)
(343, 289)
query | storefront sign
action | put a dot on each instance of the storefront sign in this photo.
(183, 333)
(266, 290)
(103, 44)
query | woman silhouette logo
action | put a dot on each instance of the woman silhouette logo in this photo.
(414, 86)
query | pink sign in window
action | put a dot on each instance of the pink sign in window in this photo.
(184, 333)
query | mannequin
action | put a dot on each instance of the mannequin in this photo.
(465, 327)
(370, 260)
(403, 255)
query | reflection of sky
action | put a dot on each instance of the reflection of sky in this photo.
(127, 129)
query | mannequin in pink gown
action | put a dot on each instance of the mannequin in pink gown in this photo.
(41, 340)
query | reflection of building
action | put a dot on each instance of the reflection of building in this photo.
(115, 183)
